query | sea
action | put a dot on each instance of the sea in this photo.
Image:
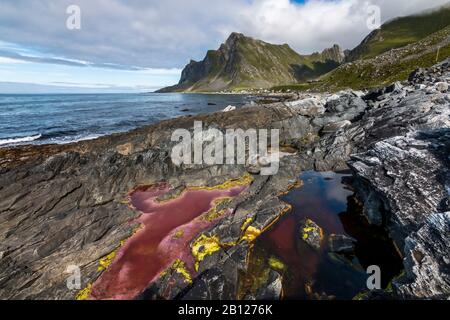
(66, 118)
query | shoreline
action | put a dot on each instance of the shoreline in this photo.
(67, 203)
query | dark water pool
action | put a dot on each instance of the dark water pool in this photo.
(319, 274)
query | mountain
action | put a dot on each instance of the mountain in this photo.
(243, 62)
(401, 32)
(389, 54)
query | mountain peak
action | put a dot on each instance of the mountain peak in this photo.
(234, 38)
(245, 62)
(236, 35)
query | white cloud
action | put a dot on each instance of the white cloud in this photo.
(4, 60)
(319, 24)
(166, 34)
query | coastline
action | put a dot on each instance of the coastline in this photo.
(51, 192)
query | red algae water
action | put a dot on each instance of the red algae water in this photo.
(167, 229)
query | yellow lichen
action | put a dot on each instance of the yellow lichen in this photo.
(84, 294)
(204, 246)
(311, 230)
(214, 213)
(180, 267)
(106, 261)
(245, 180)
(179, 234)
(251, 234)
(276, 264)
(246, 223)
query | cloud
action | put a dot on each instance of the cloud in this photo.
(319, 24)
(140, 34)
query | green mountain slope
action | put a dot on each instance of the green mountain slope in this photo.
(242, 62)
(401, 32)
(393, 65)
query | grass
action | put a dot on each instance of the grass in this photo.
(401, 32)
(381, 70)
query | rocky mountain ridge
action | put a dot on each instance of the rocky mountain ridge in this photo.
(244, 62)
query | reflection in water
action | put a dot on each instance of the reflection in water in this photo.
(312, 274)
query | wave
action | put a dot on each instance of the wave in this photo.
(76, 138)
(19, 140)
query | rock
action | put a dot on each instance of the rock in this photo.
(272, 290)
(335, 126)
(346, 102)
(441, 86)
(420, 86)
(229, 108)
(253, 169)
(307, 107)
(430, 90)
(427, 260)
(408, 196)
(66, 205)
(311, 233)
(340, 243)
(395, 87)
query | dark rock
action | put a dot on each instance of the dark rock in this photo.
(311, 233)
(340, 243)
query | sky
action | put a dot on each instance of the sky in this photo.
(142, 45)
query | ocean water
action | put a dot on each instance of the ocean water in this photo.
(65, 118)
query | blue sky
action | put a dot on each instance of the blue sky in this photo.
(137, 45)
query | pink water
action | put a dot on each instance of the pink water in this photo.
(155, 247)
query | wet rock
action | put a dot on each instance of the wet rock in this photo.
(311, 233)
(340, 243)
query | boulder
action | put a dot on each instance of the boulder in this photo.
(229, 108)
(340, 243)
(307, 107)
(441, 86)
(311, 233)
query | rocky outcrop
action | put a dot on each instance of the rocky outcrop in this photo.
(405, 181)
(66, 205)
